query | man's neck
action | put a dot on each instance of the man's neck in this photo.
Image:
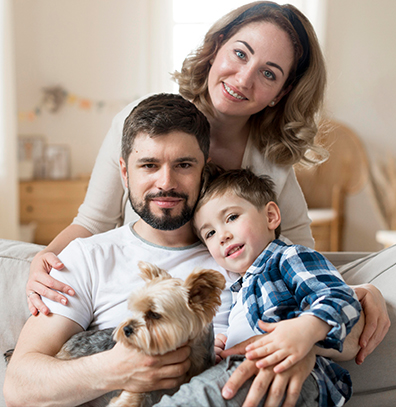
(181, 237)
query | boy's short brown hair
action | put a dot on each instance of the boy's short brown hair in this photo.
(258, 190)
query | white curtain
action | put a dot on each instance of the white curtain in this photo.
(8, 140)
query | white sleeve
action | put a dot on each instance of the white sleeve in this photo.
(295, 224)
(77, 274)
(102, 209)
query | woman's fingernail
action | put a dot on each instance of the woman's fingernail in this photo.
(70, 292)
(63, 301)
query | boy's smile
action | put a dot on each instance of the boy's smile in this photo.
(234, 230)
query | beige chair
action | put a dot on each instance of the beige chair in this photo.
(326, 186)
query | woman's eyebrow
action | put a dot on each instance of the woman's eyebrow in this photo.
(275, 66)
(247, 46)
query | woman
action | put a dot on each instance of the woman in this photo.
(259, 77)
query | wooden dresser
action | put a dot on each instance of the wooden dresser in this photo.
(50, 204)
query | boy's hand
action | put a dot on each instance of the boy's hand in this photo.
(287, 342)
(219, 346)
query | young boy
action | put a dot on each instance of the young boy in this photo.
(289, 291)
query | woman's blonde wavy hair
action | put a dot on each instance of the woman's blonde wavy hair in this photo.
(285, 133)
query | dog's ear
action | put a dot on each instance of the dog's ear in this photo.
(205, 287)
(148, 271)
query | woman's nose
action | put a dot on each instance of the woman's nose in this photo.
(245, 76)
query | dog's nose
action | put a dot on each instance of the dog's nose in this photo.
(128, 331)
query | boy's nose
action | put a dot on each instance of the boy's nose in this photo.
(225, 236)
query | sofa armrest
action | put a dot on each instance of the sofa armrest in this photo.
(15, 259)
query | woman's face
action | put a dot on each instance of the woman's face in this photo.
(250, 69)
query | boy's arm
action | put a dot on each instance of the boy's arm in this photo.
(35, 377)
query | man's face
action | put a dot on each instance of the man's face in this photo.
(163, 178)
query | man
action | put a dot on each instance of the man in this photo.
(165, 146)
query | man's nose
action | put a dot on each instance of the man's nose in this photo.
(166, 179)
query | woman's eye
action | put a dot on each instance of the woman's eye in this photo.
(240, 54)
(268, 74)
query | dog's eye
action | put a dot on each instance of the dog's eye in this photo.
(153, 315)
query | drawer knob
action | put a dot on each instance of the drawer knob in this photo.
(29, 208)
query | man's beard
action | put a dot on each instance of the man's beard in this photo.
(166, 221)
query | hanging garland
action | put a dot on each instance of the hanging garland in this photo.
(55, 97)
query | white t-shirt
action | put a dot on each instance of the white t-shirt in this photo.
(103, 271)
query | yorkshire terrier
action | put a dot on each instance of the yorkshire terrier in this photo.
(166, 313)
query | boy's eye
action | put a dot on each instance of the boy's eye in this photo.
(209, 234)
(231, 218)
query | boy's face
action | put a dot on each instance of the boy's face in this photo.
(235, 231)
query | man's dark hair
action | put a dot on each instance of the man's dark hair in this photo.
(164, 113)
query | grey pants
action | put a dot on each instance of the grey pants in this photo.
(204, 390)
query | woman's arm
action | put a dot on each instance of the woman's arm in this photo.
(40, 282)
(351, 344)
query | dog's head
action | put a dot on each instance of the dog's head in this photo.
(168, 312)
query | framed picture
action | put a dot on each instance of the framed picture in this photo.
(57, 161)
(30, 156)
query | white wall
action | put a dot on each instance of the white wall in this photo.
(95, 49)
(361, 58)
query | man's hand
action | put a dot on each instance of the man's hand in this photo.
(275, 385)
(137, 372)
(377, 319)
(40, 283)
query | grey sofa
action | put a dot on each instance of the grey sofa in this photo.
(374, 382)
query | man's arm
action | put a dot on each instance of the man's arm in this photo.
(35, 377)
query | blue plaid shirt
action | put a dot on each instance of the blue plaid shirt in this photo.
(286, 281)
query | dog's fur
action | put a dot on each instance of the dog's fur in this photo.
(166, 313)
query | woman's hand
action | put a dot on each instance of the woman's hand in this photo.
(377, 319)
(40, 283)
(276, 386)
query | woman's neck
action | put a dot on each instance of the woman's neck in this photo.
(228, 139)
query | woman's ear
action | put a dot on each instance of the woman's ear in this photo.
(124, 171)
(272, 212)
(280, 95)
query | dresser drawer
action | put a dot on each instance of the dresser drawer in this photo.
(52, 205)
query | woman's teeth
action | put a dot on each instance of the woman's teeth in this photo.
(232, 93)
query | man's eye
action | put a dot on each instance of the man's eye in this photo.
(148, 166)
(184, 165)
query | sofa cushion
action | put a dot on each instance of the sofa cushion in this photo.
(374, 382)
(15, 258)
